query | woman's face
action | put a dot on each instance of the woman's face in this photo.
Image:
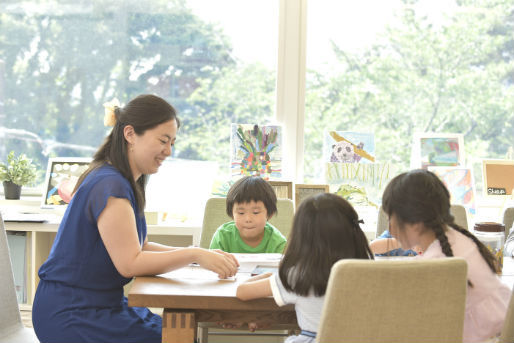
(147, 151)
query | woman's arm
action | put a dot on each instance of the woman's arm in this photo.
(152, 246)
(117, 227)
(256, 287)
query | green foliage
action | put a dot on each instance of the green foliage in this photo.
(59, 67)
(453, 76)
(243, 94)
(19, 170)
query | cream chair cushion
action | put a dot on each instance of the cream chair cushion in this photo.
(407, 300)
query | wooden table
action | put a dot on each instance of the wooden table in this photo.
(192, 294)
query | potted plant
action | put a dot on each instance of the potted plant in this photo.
(17, 172)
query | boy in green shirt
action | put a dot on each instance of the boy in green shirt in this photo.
(251, 202)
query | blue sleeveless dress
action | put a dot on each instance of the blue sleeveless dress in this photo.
(80, 294)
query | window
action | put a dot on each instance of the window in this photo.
(394, 68)
(61, 60)
(391, 68)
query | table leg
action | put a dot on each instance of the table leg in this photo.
(178, 326)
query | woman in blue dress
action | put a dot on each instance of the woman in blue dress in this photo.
(101, 243)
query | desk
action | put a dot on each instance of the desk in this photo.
(188, 300)
(40, 237)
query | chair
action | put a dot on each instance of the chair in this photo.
(215, 215)
(507, 334)
(394, 301)
(458, 211)
(11, 326)
(382, 222)
(508, 219)
(460, 214)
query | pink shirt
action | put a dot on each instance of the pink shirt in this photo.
(487, 300)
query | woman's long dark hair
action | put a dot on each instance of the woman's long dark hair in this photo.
(143, 113)
(325, 230)
(419, 196)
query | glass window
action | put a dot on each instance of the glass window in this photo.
(61, 60)
(393, 68)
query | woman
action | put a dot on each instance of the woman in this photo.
(101, 243)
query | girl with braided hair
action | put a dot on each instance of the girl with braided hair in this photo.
(418, 206)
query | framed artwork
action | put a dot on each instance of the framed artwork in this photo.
(498, 177)
(460, 184)
(437, 150)
(349, 147)
(302, 191)
(62, 174)
(283, 189)
(256, 150)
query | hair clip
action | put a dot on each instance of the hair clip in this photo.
(110, 115)
(358, 221)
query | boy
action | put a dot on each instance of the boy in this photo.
(251, 202)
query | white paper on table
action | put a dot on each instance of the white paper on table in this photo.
(248, 262)
(194, 272)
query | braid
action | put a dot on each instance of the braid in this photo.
(489, 258)
(443, 240)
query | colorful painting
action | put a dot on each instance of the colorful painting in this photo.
(460, 184)
(438, 150)
(256, 150)
(61, 177)
(349, 147)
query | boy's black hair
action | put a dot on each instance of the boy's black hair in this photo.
(250, 188)
(325, 230)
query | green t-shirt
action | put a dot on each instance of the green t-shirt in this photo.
(227, 238)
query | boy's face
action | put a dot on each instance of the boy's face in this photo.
(250, 219)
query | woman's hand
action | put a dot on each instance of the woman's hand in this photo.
(220, 262)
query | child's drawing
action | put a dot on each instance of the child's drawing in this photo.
(437, 149)
(459, 182)
(349, 147)
(256, 150)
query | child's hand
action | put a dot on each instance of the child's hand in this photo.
(259, 277)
